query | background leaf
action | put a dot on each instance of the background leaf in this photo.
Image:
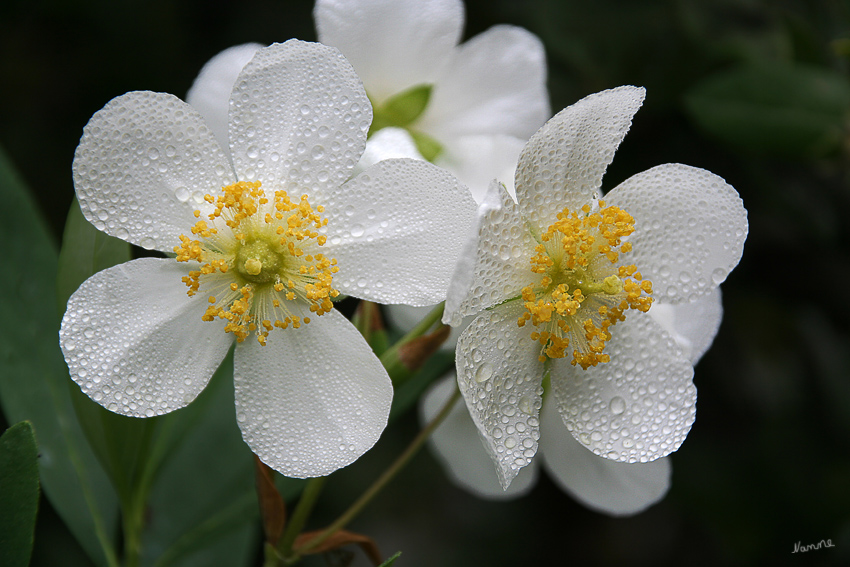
(788, 110)
(34, 383)
(19, 495)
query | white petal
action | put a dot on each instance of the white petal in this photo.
(692, 325)
(479, 159)
(500, 378)
(387, 143)
(495, 84)
(494, 264)
(312, 400)
(639, 406)
(460, 449)
(298, 119)
(393, 44)
(134, 341)
(563, 163)
(143, 166)
(690, 227)
(405, 318)
(396, 230)
(618, 489)
(210, 93)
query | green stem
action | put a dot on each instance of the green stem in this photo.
(382, 481)
(391, 359)
(300, 515)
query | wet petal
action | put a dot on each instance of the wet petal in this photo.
(563, 163)
(639, 406)
(495, 84)
(479, 159)
(460, 449)
(500, 378)
(618, 489)
(690, 227)
(312, 400)
(393, 44)
(298, 119)
(143, 166)
(692, 325)
(494, 263)
(210, 93)
(387, 143)
(396, 230)
(134, 341)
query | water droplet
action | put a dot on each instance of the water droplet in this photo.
(484, 373)
(617, 405)
(357, 230)
(182, 194)
(718, 275)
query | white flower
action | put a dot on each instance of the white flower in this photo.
(469, 107)
(611, 487)
(564, 280)
(263, 242)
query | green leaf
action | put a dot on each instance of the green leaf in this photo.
(203, 508)
(34, 383)
(402, 109)
(19, 496)
(391, 560)
(427, 146)
(85, 251)
(784, 110)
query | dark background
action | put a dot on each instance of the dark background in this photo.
(767, 463)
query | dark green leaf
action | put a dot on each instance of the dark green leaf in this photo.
(85, 251)
(34, 383)
(203, 508)
(19, 494)
(783, 110)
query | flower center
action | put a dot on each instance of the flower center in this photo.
(256, 255)
(583, 292)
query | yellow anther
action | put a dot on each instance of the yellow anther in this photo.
(271, 269)
(582, 292)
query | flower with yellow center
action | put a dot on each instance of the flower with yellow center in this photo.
(265, 236)
(564, 284)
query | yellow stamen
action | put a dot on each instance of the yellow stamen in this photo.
(247, 252)
(582, 293)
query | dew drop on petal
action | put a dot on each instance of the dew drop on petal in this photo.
(617, 405)
(484, 372)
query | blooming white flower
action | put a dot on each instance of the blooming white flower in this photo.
(263, 243)
(469, 107)
(607, 486)
(565, 279)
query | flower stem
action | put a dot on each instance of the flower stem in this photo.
(382, 481)
(300, 515)
(392, 358)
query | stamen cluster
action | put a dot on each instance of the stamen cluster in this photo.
(254, 253)
(583, 293)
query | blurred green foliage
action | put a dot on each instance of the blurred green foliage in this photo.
(754, 90)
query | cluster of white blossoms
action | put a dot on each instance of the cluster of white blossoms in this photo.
(272, 194)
